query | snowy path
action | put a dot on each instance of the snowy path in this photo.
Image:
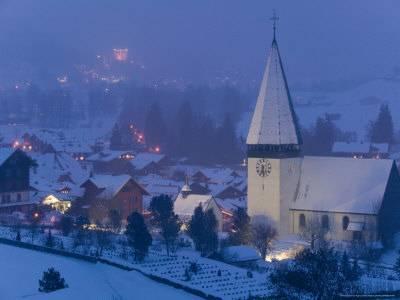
(20, 270)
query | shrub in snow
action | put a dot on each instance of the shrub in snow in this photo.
(66, 225)
(194, 267)
(187, 275)
(396, 267)
(241, 233)
(263, 233)
(51, 281)
(317, 273)
(49, 240)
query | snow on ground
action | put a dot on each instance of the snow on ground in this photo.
(20, 270)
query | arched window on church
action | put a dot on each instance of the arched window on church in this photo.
(302, 221)
(325, 222)
(345, 222)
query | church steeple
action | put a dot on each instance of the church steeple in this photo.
(274, 128)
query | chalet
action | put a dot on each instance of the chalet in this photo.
(199, 189)
(103, 193)
(230, 192)
(15, 186)
(57, 178)
(148, 163)
(111, 162)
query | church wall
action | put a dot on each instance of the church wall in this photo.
(264, 192)
(289, 178)
(336, 232)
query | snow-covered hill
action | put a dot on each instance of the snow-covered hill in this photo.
(20, 270)
(352, 108)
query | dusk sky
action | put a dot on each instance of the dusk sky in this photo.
(195, 40)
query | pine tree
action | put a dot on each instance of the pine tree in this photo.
(163, 216)
(241, 232)
(51, 281)
(382, 129)
(185, 125)
(155, 129)
(196, 227)
(228, 150)
(210, 233)
(116, 138)
(324, 135)
(138, 236)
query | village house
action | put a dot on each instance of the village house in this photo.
(15, 189)
(103, 193)
(145, 163)
(111, 162)
(186, 202)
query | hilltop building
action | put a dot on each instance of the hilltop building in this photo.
(347, 198)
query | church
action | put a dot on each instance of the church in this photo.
(348, 198)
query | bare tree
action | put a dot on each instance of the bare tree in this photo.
(315, 233)
(263, 232)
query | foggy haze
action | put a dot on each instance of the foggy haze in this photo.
(199, 40)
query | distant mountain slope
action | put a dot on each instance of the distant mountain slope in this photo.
(352, 109)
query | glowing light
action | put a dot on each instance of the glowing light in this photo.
(120, 54)
(157, 149)
(36, 215)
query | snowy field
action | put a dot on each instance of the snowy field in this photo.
(21, 269)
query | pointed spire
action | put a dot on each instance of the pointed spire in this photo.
(186, 190)
(274, 19)
(274, 124)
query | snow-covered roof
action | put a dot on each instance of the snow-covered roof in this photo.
(274, 121)
(230, 205)
(240, 253)
(184, 206)
(342, 184)
(343, 147)
(5, 153)
(111, 184)
(56, 171)
(143, 159)
(109, 155)
(381, 147)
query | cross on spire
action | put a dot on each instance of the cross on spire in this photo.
(274, 19)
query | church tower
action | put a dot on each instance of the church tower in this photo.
(273, 147)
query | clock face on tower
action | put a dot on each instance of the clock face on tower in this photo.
(263, 167)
